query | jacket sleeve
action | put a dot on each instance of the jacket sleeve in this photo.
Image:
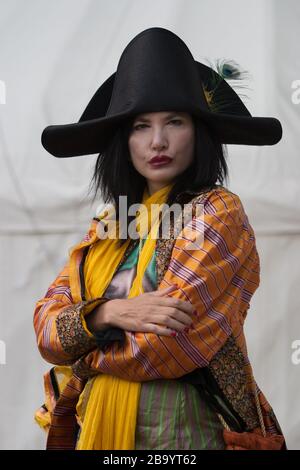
(218, 278)
(62, 336)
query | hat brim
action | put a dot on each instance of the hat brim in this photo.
(91, 134)
(91, 137)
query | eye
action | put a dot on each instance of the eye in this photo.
(176, 120)
(138, 126)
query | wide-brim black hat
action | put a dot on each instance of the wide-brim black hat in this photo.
(157, 72)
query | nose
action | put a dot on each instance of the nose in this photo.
(159, 139)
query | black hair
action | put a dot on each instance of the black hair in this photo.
(115, 175)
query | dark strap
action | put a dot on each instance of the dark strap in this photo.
(208, 389)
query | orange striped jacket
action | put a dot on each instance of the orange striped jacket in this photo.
(219, 278)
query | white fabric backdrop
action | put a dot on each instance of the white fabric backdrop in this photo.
(53, 56)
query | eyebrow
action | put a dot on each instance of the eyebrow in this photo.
(170, 115)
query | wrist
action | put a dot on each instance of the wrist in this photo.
(109, 312)
(97, 320)
(102, 316)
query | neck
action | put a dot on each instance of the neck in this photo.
(153, 187)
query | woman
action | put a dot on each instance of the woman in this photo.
(146, 330)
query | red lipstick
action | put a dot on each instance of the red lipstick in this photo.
(159, 160)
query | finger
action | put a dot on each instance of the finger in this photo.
(180, 304)
(177, 303)
(176, 320)
(183, 319)
(158, 330)
(166, 290)
(179, 324)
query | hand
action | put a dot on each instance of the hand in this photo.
(151, 312)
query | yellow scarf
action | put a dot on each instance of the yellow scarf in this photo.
(107, 408)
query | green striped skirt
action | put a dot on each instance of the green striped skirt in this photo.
(173, 416)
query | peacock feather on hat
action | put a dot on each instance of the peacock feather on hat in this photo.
(218, 96)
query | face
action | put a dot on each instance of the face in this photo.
(161, 133)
